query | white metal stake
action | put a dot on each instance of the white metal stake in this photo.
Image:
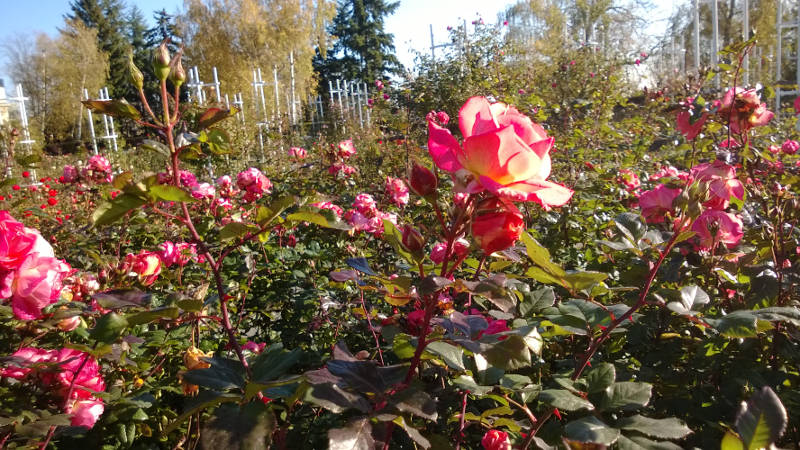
(294, 97)
(216, 84)
(746, 36)
(778, 58)
(697, 35)
(715, 40)
(91, 123)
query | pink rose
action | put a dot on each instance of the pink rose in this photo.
(329, 206)
(168, 253)
(688, 124)
(365, 204)
(503, 152)
(655, 204)
(346, 149)
(397, 190)
(16, 241)
(37, 283)
(254, 182)
(203, 190)
(496, 440)
(718, 227)
(19, 366)
(98, 169)
(790, 147)
(460, 249)
(297, 152)
(722, 183)
(147, 265)
(744, 109)
(185, 252)
(69, 175)
(85, 413)
(224, 181)
(629, 179)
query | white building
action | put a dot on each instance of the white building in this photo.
(5, 105)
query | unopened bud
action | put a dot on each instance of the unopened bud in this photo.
(412, 239)
(161, 61)
(134, 74)
(423, 181)
(176, 73)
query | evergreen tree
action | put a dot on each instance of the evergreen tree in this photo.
(164, 28)
(363, 49)
(106, 17)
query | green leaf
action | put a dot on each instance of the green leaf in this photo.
(240, 427)
(190, 304)
(116, 108)
(205, 399)
(601, 377)
(738, 324)
(155, 146)
(591, 430)
(169, 312)
(222, 375)
(109, 212)
(413, 433)
(565, 400)
(579, 281)
(214, 115)
(168, 193)
(626, 395)
(761, 420)
(108, 328)
(450, 354)
(122, 298)
(731, 442)
(693, 295)
(404, 345)
(670, 428)
(631, 225)
(511, 353)
(234, 230)
(273, 362)
(317, 219)
(537, 301)
(541, 256)
(28, 161)
(416, 402)
(356, 436)
(643, 443)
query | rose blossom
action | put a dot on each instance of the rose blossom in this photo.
(98, 169)
(496, 440)
(254, 182)
(297, 152)
(496, 226)
(790, 147)
(722, 183)
(460, 249)
(503, 152)
(688, 123)
(146, 265)
(346, 149)
(203, 190)
(365, 204)
(85, 413)
(744, 109)
(69, 175)
(655, 204)
(397, 190)
(16, 241)
(34, 285)
(329, 206)
(629, 179)
(718, 227)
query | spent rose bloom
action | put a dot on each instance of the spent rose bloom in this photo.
(496, 440)
(744, 109)
(503, 152)
(346, 149)
(722, 183)
(69, 175)
(297, 152)
(655, 204)
(715, 227)
(496, 225)
(690, 120)
(397, 190)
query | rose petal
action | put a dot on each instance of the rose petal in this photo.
(475, 117)
(443, 148)
(545, 193)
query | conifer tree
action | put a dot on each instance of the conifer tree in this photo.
(363, 49)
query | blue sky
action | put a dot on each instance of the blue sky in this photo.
(410, 24)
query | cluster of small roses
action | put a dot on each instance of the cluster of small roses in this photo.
(718, 182)
(30, 274)
(397, 190)
(70, 374)
(345, 150)
(740, 108)
(97, 170)
(146, 265)
(298, 153)
(366, 217)
(254, 184)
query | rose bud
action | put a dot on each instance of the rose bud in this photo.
(412, 239)
(177, 75)
(423, 181)
(161, 61)
(135, 75)
(496, 225)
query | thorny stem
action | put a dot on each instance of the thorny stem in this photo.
(371, 328)
(461, 420)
